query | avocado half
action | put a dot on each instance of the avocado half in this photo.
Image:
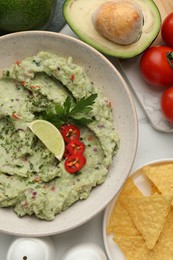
(79, 16)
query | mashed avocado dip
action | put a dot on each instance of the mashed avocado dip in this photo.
(32, 180)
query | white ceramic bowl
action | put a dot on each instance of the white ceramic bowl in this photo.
(17, 46)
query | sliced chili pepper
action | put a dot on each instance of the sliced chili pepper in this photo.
(72, 77)
(15, 116)
(35, 86)
(66, 153)
(75, 147)
(70, 132)
(23, 83)
(74, 163)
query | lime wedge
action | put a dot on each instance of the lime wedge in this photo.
(49, 135)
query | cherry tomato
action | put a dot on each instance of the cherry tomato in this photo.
(74, 163)
(70, 132)
(167, 104)
(155, 67)
(167, 30)
(75, 147)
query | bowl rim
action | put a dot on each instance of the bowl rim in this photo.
(135, 118)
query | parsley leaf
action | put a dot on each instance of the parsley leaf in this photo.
(59, 110)
(83, 104)
(70, 112)
(67, 104)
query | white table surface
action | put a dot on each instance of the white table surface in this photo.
(152, 145)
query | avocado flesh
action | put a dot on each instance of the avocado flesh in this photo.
(78, 15)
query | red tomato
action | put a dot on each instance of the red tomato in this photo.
(70, 132)
(155, 67)
(167, 104)
(74, 163)
(167, 30)
(75, 147)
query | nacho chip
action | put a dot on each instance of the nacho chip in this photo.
(120, 222)
(163, 249)
(149, 214)
(129, 189)
(161, 176)
(154, 190)
(133, 247)
(143, 225)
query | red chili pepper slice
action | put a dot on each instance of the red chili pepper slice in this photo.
(66, 153)
(74, 163)
(75, 147)
(15, 116)
(70, 132)
(72, 77)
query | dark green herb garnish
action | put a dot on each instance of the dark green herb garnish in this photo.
(70, 112)
(7, 73)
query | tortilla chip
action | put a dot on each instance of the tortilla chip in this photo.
(149, 214)
(154, 190)
(130, 189)
(143, 225)
(161, 176)
(133, 247)
(120, 223)
(163, 249)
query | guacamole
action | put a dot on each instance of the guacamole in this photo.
(32, 180)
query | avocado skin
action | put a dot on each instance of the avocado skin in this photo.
(118, 51)
(19, 15)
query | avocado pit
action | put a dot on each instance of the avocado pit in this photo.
(120, 22)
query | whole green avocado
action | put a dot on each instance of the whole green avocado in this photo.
(20, 15)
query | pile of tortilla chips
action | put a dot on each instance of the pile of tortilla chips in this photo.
(142, 226)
